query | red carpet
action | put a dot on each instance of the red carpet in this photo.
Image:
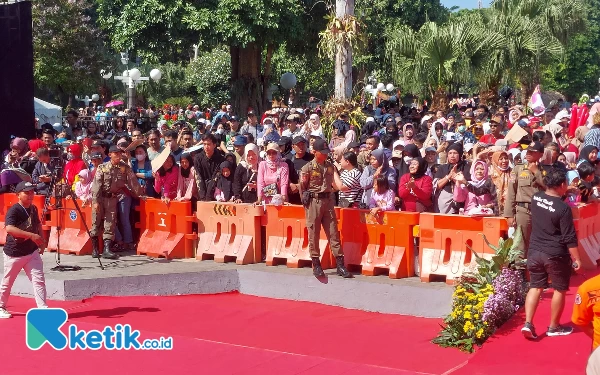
(232, 333)
(239, 334)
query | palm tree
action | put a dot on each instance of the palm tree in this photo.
(431, 59)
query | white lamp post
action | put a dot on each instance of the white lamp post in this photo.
(131, 77)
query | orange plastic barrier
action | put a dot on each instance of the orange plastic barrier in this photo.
(74, 238)
(379, 244)
(228, 231)
(444, 240)
(287, 237)
(166, 230)
(9, 199)
(587, 226)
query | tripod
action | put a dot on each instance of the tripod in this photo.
(59, 193)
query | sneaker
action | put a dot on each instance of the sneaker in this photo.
(528, 331)
(559, 331)
(4, 314)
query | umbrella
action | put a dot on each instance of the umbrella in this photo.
(114, 103)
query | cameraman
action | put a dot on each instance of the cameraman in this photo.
(42, 173)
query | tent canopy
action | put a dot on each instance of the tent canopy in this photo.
(47, 112)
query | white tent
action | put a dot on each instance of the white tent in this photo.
(47, 112)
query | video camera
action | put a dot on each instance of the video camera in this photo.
(57, 157)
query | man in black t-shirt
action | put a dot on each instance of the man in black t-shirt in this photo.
(299, 160)
(24, 244)
(552, 245)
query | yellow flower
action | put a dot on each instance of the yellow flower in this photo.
(476, 316)
(467, 315)
(468, 307)
(479, 333)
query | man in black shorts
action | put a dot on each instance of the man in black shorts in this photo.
(553, 243)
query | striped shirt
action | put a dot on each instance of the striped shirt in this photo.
(351, 179)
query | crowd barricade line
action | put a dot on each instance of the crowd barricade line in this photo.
(166, 229)
(445, 241)
(379, 244)
(229, 232)
(587, 226)
(74, 238)
(287, 238)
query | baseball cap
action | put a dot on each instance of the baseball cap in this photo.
(397, 154)
(240, 140)
(24, 186)
(234, 118)
(299, 139)
(283, 141)
(98, 144)
(114, 148)
(429, 149)
(96, 155)
(321, 146)
(272, 147)
(536, 147)
(353, 145)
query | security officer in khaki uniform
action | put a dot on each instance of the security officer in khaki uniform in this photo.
(110, 180)
(318, 199)
(525, 181)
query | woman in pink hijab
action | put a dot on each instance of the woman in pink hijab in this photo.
(479, 194)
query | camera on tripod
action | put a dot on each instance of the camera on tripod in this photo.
(57, 156)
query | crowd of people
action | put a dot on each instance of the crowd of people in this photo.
(401, 159)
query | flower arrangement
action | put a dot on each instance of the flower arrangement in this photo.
(485, 299)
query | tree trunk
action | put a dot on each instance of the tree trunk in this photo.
(246, 82)
(343, 58)
(266, 77)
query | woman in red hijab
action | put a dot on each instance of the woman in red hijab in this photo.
(75, 163)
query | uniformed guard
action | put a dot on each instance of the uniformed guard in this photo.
(110, 180)
(525, 181)
(318, 199)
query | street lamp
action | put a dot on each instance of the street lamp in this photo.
(87, 99)
(132, 77)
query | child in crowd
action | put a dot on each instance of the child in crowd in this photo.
(382, 197)
(573, 194)
(224, 190)
(166, 178)
(186, 186)
(83, 186)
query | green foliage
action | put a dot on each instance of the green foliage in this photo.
(578, 71)
(173, 83)
(67, 46)
(506, 254)
(210, 75)
(182, 101)
(155, 30)
(315, 76)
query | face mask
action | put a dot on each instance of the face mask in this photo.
(219, 131)
(462, 129)
(70, 157)
(140, 157)
(408, 159)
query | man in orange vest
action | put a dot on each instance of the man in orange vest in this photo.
(586, 311)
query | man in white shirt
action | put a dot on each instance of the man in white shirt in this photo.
(294, 129)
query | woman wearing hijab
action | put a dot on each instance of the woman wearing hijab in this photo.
(187, 191)
(224, 190)
(409, 153)
(314, 125)
(273, 176)
(74, 165)
(445, 179)
(378, 165)
(589, 153)
(478, 194)
(341, 148)
(285, 147)
(244, 179)
(83, 187)
(500, 175)
(408, 131)
(415, 188)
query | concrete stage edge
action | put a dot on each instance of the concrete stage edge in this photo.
(138, 275)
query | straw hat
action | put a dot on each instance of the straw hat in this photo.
(160, 159)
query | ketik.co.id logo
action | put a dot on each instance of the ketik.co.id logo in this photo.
(43, 326)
